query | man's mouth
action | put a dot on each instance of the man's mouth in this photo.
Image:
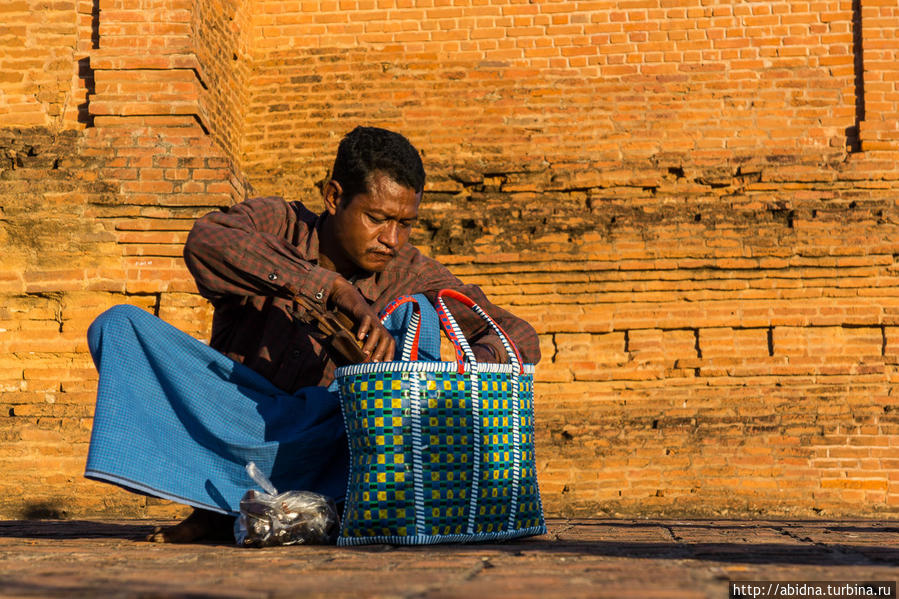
(382, 255)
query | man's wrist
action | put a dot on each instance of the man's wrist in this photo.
(338, 285)
(317, 286)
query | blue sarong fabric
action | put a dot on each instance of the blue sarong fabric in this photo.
(176, 419)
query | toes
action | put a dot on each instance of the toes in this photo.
(156, 536)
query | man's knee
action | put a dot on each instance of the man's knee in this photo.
(115, 321)
(120, 314)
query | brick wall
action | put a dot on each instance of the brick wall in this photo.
(520, 85)
(879, 50)
(694, 204)
(95, 211)
(221, 38)
(40, 45)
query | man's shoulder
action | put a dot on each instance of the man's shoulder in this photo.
(293, 210)
(412, 261)
(410, 255)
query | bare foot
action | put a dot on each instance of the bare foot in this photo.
(200, 525)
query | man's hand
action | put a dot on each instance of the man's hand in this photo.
(489, 352)
(377, 344)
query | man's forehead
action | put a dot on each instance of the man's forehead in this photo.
(381, 182)
(389, 197)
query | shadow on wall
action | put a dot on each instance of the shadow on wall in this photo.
(853, 133)
(43, 510)
(86, 74)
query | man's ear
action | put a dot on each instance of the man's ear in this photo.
(332, 193)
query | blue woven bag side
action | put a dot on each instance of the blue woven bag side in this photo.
(440, 451)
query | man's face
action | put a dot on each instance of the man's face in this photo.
(372, 227)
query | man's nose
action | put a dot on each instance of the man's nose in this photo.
(389, 235)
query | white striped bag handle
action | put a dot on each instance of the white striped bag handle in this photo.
(410, 342)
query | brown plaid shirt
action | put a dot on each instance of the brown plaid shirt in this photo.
(252, 259)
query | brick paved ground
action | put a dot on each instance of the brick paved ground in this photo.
(578, 558)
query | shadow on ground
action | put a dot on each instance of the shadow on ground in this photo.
(586, 538)
(73, 529)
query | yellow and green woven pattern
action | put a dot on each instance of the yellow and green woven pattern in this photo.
(378, 429)
(497, 452)
(448, 457)
(530, 510)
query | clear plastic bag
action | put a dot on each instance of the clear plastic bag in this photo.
(290, 518)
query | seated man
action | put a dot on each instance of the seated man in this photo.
(179, 420)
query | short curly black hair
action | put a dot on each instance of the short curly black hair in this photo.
(366, 150)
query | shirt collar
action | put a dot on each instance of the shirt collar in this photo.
(312, 244)
(368, 285)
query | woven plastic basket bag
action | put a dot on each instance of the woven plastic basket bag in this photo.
(440, 452)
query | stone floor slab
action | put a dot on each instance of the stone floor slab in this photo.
(583, 558)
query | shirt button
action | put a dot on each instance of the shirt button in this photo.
(320, 294)
(273, 276)
(296, 354)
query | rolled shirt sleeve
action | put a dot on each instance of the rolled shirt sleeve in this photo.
(477, 331)
(436, 277)
(261, 247)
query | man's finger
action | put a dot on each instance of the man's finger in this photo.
(364, 328)
(385, 351)
(372, 337)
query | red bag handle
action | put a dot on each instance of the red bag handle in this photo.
(451, 327)
(409, 350)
